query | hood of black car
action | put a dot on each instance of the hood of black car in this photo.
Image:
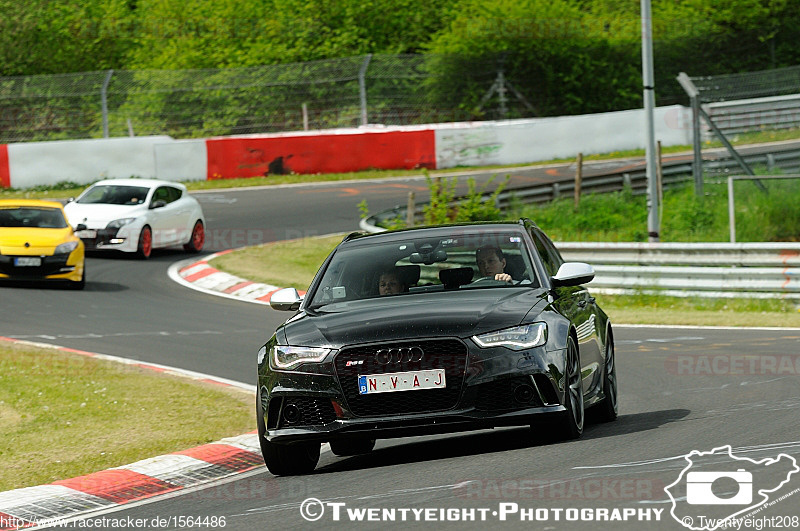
(454, 314)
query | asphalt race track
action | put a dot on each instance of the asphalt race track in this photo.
(682, 389)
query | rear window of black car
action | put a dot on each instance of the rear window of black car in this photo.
(368, 267)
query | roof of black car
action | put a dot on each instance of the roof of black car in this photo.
(433, 230)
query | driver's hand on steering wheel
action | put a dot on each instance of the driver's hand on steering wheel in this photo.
(503, 277)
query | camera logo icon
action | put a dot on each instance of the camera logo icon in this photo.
(699, 491)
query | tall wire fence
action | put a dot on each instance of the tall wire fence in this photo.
(764, 83)
(346, 92)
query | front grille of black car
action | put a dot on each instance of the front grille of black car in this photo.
(296, 411)
(447, 354)
(507, 394)
(51, 265)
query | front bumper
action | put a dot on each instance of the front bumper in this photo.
(125, 239)
(55, 267)
(408, 426)
(497, 387)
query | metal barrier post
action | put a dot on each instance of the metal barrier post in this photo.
(731, 213)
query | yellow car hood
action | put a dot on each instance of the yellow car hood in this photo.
(40, 241)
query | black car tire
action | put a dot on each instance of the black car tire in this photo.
(285, 459)
(290, 459)
(346, 448)
(607, 409)
(571, 422)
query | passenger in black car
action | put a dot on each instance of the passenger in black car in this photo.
(389, 283)
(491, 263)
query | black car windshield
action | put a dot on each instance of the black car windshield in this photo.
(42, 218)
(461, 260)
(115, 195)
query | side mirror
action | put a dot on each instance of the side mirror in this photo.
(573, 274)
(160, 203)
(287, 300)
(80, 227)
(70, 200)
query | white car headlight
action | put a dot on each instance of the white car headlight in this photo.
(286, 357)
(516, 338)
(66, 248)
(117, 223)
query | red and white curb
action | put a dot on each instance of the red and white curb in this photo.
(57, 502)
(60, 501)
(201, 276)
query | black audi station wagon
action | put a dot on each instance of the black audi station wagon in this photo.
(433, 330)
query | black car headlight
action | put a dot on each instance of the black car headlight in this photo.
(516, 338)
(285, 357)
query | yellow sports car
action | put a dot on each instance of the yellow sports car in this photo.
(37, 243)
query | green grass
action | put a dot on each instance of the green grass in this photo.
(622, 216)
(64, 415)
(288, 264)
(658, 309)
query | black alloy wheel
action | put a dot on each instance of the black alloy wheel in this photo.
(607, 409)
(571, 425)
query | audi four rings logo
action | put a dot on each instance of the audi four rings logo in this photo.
(398, 355)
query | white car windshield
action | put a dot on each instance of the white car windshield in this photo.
(462, 260)
(115, 195)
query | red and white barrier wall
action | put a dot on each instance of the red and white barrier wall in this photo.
(28, 164)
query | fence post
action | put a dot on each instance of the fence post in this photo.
(410, 208)
(362, 88)
(305, 117)
(104, 101)
(501, 94)
(578, 179)
(659, 174)
(731, 211)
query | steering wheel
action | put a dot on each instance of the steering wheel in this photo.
(488, 281)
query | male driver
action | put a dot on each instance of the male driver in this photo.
(492, 263)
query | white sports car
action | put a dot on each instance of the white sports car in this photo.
(137, 216)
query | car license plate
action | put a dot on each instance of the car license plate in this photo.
(371, 384)
(27, 261)
(86, 234)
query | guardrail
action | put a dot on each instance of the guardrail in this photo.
(751, 270)
(756, 114)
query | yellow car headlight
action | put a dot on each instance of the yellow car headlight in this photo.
(66, 248)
